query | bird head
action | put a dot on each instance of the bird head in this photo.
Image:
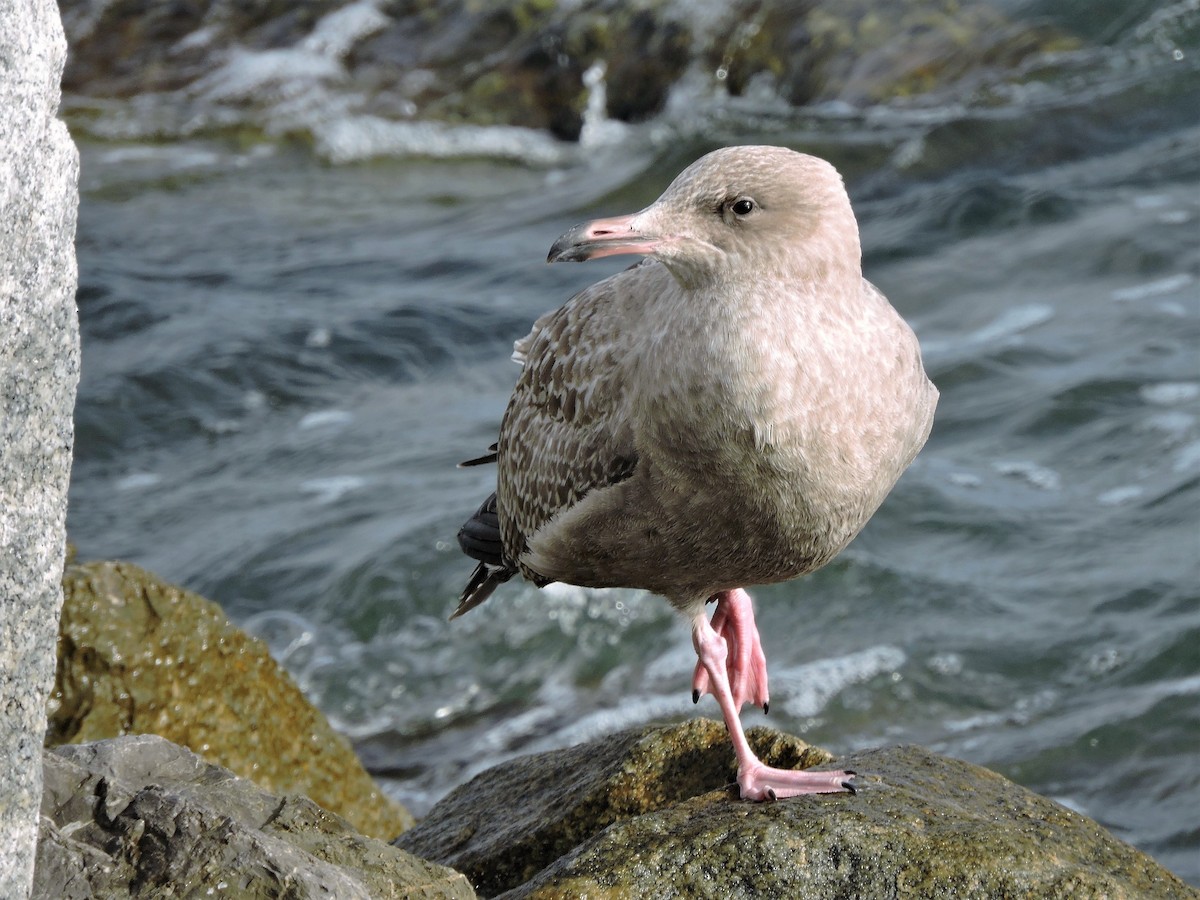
(734, 213)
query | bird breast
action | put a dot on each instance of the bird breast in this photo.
(795, 418)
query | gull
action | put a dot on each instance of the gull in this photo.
(729, 411)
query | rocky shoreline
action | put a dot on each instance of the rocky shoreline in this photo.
(644, 812)
(220, 68)
(144, 668)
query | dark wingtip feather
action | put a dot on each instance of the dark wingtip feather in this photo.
(480, 537)
(489, 457)
(485, 579)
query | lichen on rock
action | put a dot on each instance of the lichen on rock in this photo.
(648, 813)
(140, 656)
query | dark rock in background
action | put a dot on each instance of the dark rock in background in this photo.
(281, 68)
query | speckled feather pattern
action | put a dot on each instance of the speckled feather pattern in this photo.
(730, 412)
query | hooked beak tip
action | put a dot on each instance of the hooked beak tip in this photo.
(601, 237)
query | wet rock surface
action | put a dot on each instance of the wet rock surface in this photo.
(140, 656)
(288, 69)
(508, 823)
(645, 813)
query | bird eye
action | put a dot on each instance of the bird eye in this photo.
(742, 207)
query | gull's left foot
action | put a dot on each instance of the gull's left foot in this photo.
(761, 782)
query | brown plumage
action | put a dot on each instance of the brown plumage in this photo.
(730, 411)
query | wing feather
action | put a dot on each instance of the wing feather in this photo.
(567, 428)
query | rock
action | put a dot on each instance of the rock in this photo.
(139, 816)
(224, 65)
(510, 822)
(140, 656)
(922, 826)
(39, 369)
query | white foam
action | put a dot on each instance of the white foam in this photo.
(137, 481)
(354, 138)
(804, 691)
(1175, 217)
(632, 712)
(279, 73)
(324, 418)
(598, 130)
(1188, 458)
(337, 32)
(1152, 201)
(1031, 473)
(327, 490)
(946, 663)
(1172, 422)
(285, 632)
(1006, 326)
(1156, 288)
(318, 338)
(201, 37)
(1170, 393)
(1013, 322)
(1119, 495)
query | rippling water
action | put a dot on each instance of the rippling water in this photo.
(283, 361)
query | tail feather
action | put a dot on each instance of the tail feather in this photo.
(485, 579)
(480, 539)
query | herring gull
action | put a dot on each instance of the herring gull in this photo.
(730, 411)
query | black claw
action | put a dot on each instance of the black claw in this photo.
(771, 795)
(851, 788)
(851, 772)
(766, 707)
(695, 696)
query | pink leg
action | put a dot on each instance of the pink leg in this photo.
(757, 781)
(747, 665)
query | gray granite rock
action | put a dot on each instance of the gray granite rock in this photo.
(39, 369)
(141, 817)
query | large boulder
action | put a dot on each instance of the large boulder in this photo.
(512, 821)
(141, 817)
(39, 369)
(140, 656)
(647, 814)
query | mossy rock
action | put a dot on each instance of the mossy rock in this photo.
(655, 813)
(137, 655)
(508, 823)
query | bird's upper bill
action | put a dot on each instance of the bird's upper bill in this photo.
(603, 237)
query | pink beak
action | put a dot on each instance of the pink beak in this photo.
(602, 237)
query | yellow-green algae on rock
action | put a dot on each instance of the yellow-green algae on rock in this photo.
(137, 655)
(513, 820)
(652, 813)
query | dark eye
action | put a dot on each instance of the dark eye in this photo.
(742, 207)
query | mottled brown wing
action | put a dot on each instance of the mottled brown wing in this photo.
(566, 430)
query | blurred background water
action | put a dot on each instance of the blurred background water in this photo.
(290, 338)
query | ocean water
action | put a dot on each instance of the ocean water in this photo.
(286, 352)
